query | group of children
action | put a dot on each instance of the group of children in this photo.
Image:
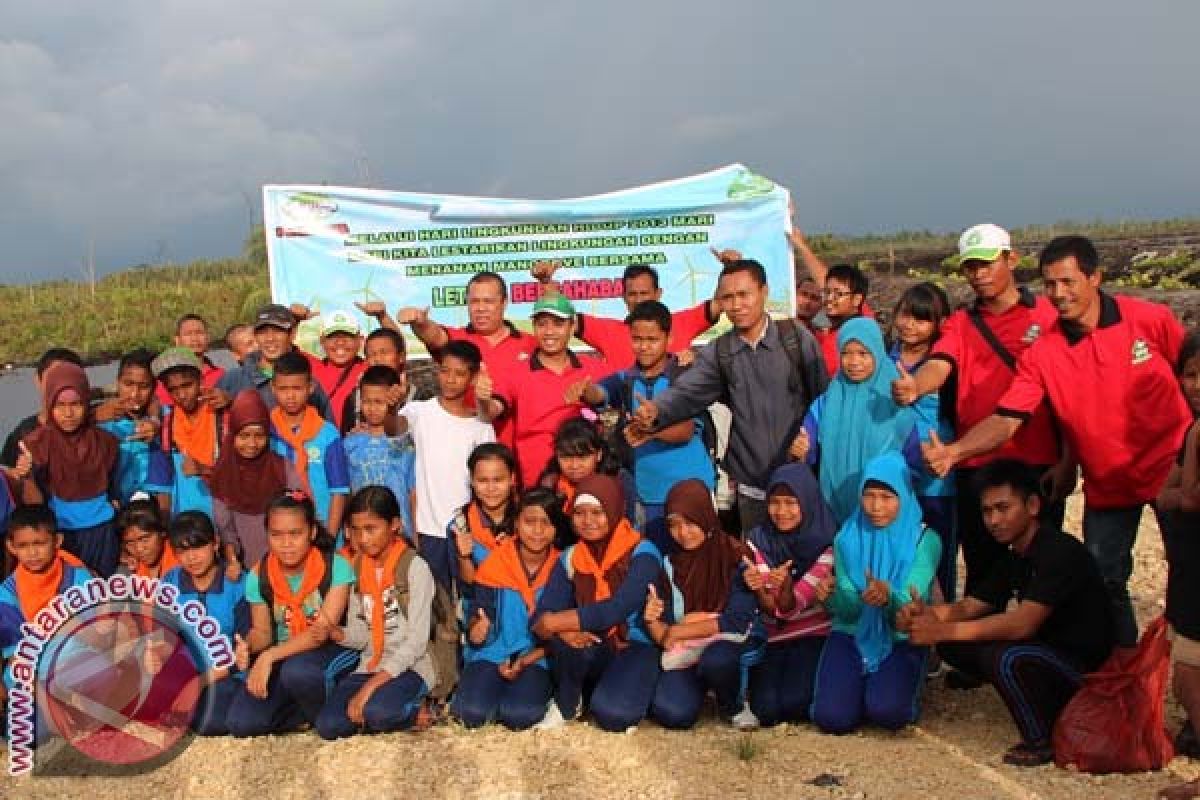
(379, 560)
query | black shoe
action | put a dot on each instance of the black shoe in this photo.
(957, 679)
(1186, 743)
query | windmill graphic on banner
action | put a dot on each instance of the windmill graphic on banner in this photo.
(690, 276)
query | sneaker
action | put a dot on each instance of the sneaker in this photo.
(553, 719)
(744, 720)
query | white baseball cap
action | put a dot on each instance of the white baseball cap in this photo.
(339, 322)
(982, 243)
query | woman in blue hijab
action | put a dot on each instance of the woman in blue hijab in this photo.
(856, 418)
(882, 555)
(792, 553)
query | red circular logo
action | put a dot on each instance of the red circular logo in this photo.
(119, 684)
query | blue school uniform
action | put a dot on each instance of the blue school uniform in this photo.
(328, 473)
(166, 476)
(299, 686)
(12, 617)
(624, 678)
(225, 602)
(384, 461)
(134, 460)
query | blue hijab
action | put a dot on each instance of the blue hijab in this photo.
(887, 552)
(805, 544)
(859, 421)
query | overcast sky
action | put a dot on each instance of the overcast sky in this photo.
(149, 127)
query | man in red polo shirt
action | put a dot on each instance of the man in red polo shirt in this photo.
(502, 345)
(1107, 368)
(978, 349)
(610, 337)
(531, 393)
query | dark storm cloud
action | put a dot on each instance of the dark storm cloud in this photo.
(149, 128)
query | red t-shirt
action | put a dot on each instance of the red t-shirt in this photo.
(533, 398)
(982, 376)
(337, 382)
(210, 373)
(1115, 396)
(610, 337)
(501, 358)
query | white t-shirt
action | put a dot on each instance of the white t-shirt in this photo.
(443, 442)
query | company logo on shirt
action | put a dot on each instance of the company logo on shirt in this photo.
(1032, 333)
(522, 356)
(314, 454)
(1141, 352)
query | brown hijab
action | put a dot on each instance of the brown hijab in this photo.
(601, 567)
(76, 465)
(704, 575)
(247, 485)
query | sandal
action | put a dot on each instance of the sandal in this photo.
(1180, 791)
(1029, 755)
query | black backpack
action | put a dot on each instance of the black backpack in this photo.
(621, 448)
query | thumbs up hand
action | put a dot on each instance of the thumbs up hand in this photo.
(754, 577)
(910, 611)
(904, 388)
(241, 653)
(877, 592)
(654, 605)
(800, 446)
(484, 386)
(939, 458)
(412, 315)
(24, 465)
(478, 630)
(577, 392)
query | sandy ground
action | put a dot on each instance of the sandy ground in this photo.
(953, 753)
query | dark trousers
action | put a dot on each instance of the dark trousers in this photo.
(751, 513)
(938, 513)
(296, 692)
(845, 697)
(436, 552)
(980, 550)
(484, 695)
(1034, 680)
(212, 709)
(781, 687)
(391, 707)
(97, 547)
(1109, 534)
(680, 693)
(621, 681)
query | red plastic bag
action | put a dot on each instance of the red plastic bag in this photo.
(1114, 723)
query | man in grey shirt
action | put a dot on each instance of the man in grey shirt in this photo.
(767, 388)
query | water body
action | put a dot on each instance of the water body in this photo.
(19, 396)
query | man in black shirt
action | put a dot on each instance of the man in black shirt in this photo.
(1061, 627)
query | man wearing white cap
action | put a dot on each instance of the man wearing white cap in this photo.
(339, 371)
(979, 347)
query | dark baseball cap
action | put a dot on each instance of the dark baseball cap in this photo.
(275, 316)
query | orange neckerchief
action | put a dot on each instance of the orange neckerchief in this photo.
(566, 490)
(503, 569)
(196, 436)
(480, 531)
(369, 585)
(620, 544)
(310, 426)
(314, 570)
(34, 591)
(166, 562)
